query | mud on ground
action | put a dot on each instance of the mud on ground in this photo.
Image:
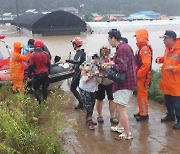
(150, 136)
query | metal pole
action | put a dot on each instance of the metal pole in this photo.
(1, 11)
(2, 19)
(38, 6)
(17, 12)
(81, 6)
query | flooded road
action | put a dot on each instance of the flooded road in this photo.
(150, 137)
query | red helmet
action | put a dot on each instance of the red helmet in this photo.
(78, 41)
(2, 36)
(38, 43)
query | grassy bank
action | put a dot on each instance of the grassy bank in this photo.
(154, 91)
(26, 127)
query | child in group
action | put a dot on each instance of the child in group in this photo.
(105, 87)
(88, 87)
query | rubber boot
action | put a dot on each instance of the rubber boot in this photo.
(168, 118)
(177, 125)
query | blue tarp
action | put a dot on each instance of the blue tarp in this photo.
(143, 15)
(6, 19)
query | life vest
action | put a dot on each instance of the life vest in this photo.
(139, 63)
(138, 58)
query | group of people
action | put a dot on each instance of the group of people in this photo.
(85, 77)
(35, 58)
(90, 78)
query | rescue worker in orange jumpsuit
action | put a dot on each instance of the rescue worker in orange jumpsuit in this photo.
(170, 82)
(17, 67)
(143, 69)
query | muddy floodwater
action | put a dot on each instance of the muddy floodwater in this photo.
(61, 45)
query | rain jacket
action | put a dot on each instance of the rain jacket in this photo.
(144, 54)
(39, 62)
(26, 49)
(16, 62)
(143, 70)
(170, 81)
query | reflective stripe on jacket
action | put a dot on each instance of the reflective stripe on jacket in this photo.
(170, 82)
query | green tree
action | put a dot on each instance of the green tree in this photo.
(88, 17)
(99, 6)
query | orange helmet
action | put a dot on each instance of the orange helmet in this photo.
(78, 41)
(38, 43)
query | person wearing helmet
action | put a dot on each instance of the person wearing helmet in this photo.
(79, 58)
(17, 67)
(39, 65)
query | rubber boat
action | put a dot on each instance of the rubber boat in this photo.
(58, 71)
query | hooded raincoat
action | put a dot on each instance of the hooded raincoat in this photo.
(143, 69)
(17, 67)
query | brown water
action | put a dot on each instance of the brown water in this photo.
(61, 45)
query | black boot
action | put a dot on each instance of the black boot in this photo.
(136, 115)
(168, 118)
(177, 125)
(141, 118)
(79, 106)
(38, 95)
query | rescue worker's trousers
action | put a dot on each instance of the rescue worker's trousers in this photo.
(18, 85)
(74, 86)
(142, 95)
(173, 106)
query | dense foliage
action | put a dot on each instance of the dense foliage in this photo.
(99, 6)
(154, 91)
(26, 127)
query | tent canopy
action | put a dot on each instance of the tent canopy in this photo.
(56, 22)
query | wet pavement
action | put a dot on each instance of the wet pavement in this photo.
(150, 137)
